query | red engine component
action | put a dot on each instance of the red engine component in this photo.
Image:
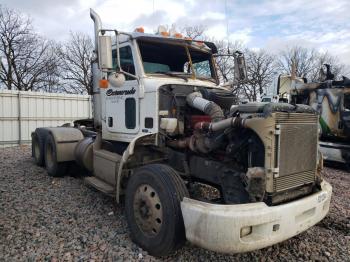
(194, 119)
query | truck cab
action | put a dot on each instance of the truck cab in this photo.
(150, 61)
(164, 127)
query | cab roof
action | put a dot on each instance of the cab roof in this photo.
(204, 45)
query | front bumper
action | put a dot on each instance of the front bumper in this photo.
(247, 227)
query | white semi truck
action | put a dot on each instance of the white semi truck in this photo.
(162, 125)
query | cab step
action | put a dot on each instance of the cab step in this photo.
(100, 185)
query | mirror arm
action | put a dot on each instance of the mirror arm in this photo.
(217, 55)
(118, 56)
(117, 33)
(119, 68)
(128, 74)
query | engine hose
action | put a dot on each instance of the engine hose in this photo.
(199, 142)
(210, 108)
(221, 125)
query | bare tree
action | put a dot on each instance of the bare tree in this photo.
(304, 60)
(75, 62)
(52, 73)
(26, 58)
(194, 32)
(308, 63)
(261, 72)
(317, 74)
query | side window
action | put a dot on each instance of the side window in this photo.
(126, 61)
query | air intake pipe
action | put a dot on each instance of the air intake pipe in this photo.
(221, 125)
(199, 142)
(210, 108)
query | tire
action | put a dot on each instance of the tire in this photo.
(53, 167)
(38, 145)
(152, 207)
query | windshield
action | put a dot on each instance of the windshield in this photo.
(171, 59)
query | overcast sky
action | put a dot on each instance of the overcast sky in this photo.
(323, 24)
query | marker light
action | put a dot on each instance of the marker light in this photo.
(103, 83)
(178, 35)
(140, 30)
(164, 33)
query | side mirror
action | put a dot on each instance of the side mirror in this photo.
(105, 52)
(116, 79)
(240, 69)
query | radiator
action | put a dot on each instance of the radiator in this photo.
(295, 150)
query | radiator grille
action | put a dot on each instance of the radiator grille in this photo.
(294, 180)
(297, 154)
(296, 118)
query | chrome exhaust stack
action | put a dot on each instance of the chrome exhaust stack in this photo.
(98, 26)
(97, 75)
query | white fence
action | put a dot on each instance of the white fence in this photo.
(22, 112)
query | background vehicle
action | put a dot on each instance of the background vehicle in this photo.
(331, 99)
(163, 124)
(269, 99)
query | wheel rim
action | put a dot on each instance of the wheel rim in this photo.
(148, 211)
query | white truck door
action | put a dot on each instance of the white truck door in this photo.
(122, 107)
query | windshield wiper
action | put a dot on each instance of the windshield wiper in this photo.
(173, 74)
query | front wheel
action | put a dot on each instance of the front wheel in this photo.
(153, 212)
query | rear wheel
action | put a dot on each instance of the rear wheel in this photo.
(153, 212)
(53, 167)
(38, 145)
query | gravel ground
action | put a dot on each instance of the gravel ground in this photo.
(60, 219)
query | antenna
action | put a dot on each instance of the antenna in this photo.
(227, 31)
(226, 19)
